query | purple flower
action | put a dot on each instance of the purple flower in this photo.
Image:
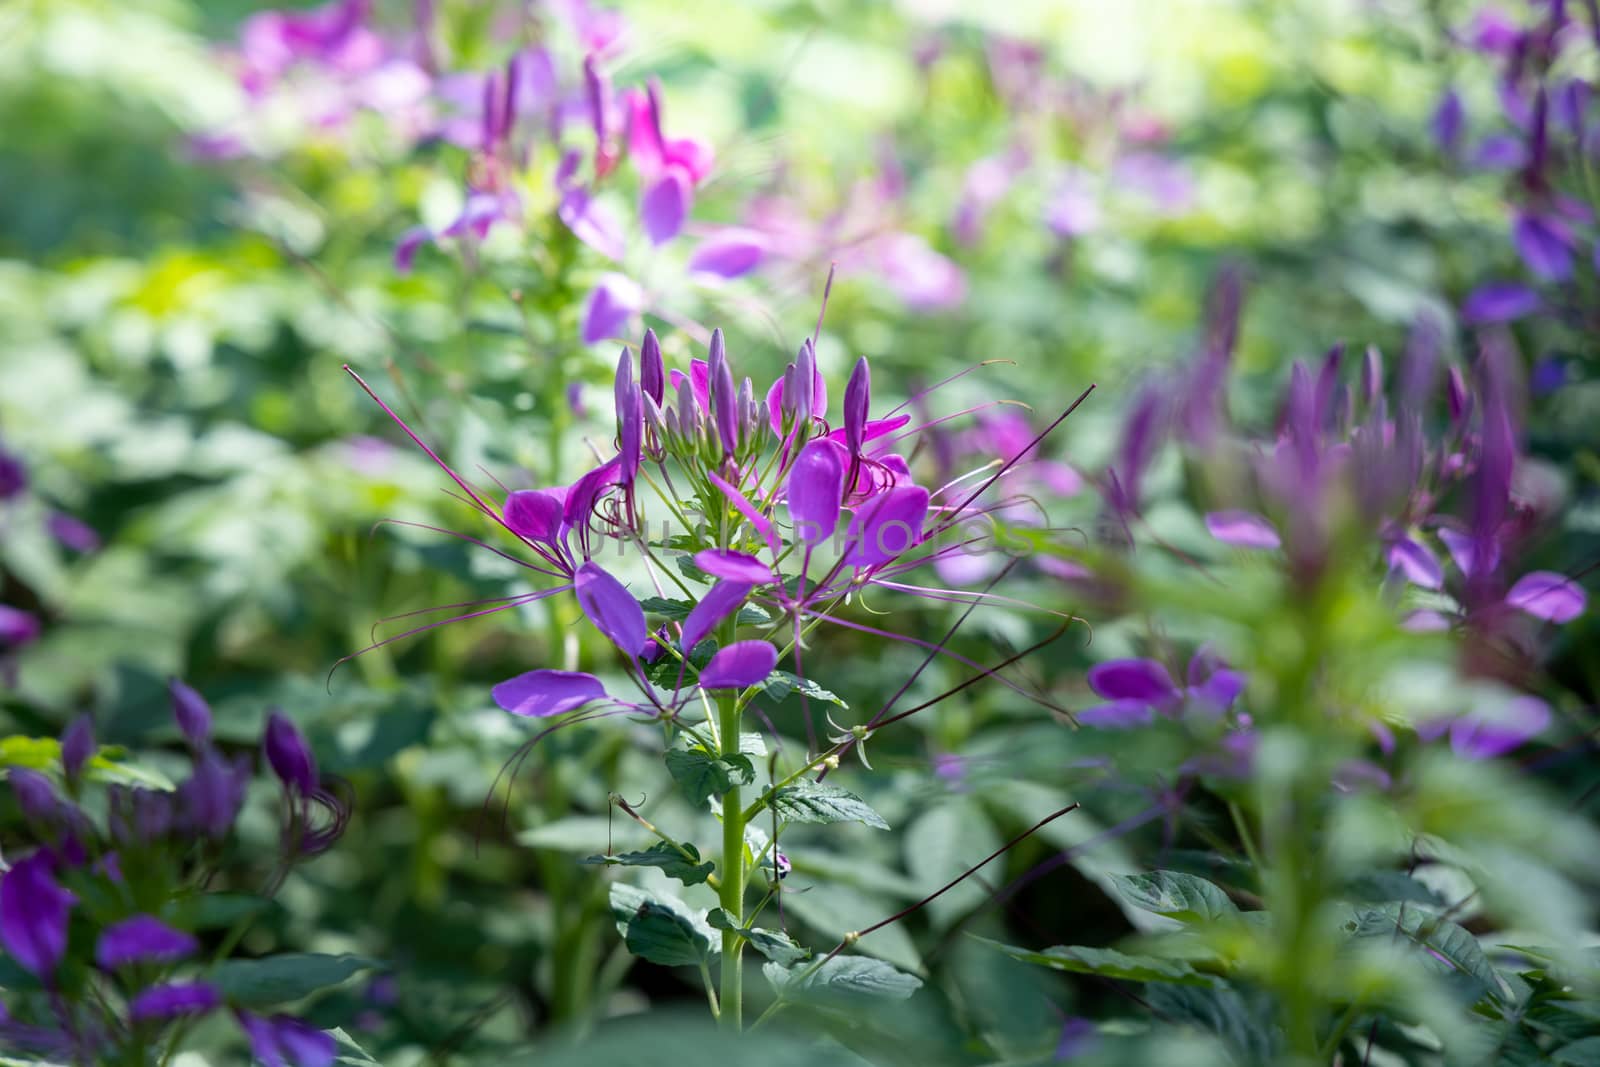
(1499, 302)
(17, 627)
(1493, 31)
(289, 755)
(72, 533)
(728, 254)
(77, 746)
(34, 909)
(539, 694)
(192, 712)
(1416, 561)
(1242, 528)
(1501, 151)
(886, 526)
(13, 476)
(726, 563)
(1549, 596)
(611, 608)
(1448, 120)
(173, 1000)
(816, 487)
(1143, 680)
(1545, 245)
(1485, 735)
(1135, 689)
(209, 801)
(612, 303)
(142, 816)
(918, 275)
(739, 664)
(35, 796)
(283, 1041)
(142, 939)
(664, 206)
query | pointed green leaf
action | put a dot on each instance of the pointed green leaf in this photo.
(780, 684)
(687, 869)
(284, 978)
(659, 928)
(775, 945)
(841, 982)
(810, 802)
(701, 775)
(1108, 963)
(1176, 895)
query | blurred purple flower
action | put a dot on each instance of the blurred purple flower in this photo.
(1242, 528)
(611, 304)
(728, 254)
(72, 533)
(209, 800)
(141, 939)
(1449, 119)
(1499, 302)
(13, 475)
(289, 755)
(191, 711)
(34, 910)
(1549, 596)
(173, 1000)
(283, 1041)
(1545, 245)
(17, 627)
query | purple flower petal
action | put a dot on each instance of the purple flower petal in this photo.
(725, 563)
(1549, 596)
(1501, 151)
(611, 304)
(405, 250)
(1117, 715)
(34, 909)
(762, 524)
(141, 939)
(1545, 245)
(192, 712)
(538, 694)
(17, 627)
(729, 254)
(173, 1000)
(289, 755)
(665, 205)
(282, 1041)
(740, 664)
(721, 601)
(72, 533)
(593, 222)
(857, 399)
(816, 487)
(1484, 736)
(1134, 679)
(886, 526)
(1417, 562)
(1242, 528)
(611, 608)
(535, 514)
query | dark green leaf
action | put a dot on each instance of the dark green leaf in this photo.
(810, 802)
(1185, 897)
(660, 929)
(780, 684)
(686, 869)
(285, 978)
(1379, 887)
(1108, 963)
(1460, 950)
(1243, 1022)
(841, 982)
(701, 775)
(1582, 1053)
(775, 945)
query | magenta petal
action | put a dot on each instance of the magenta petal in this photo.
(886, 526)
(664, 206)
(740, 664)
(762, 524)
(611, 608)
(1117, 715)
(141, 939)
(1242, 528)
(722, 600)
(725, 563)
(1549, 596)
(729, 254)
(538, 694)
(1417, 562)
(535, 513)
(816, 486)
(1134, 679)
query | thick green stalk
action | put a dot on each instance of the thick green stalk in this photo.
(732, 888)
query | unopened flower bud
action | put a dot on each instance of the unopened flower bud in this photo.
(192, 712)
(77, 746)
(289, 755)
(652, 375)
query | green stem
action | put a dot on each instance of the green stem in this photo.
(731, 892)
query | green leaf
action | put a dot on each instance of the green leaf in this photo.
(1243, 1023)
(218, 911)
(775, 945)
(676, 609)
(1107, 963)
(780, 684)
(1184, 897)
(349, 1052)
(1581, 1053)
(841, 982)
(1461, 951)
(686, 869)
(660, 929)
(1378, 887)
(285, 978)
(701, 775)
(810, 802)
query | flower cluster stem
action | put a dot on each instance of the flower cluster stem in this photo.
(731, 891)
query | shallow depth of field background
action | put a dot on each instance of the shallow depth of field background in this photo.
(174, 320)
